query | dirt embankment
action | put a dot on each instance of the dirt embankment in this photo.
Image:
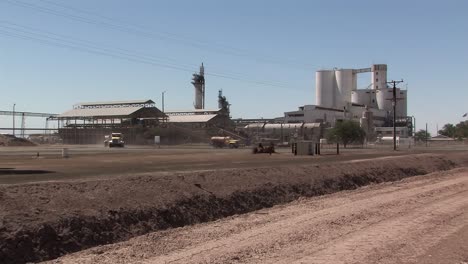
(12, 141)
(44, 221)
(422, 219)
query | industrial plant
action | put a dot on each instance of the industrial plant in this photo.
(337, 98)
(140, 120)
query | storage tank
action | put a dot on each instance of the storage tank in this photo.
(360, 97)
(384, 99)
(325, 86)
(379, 76)
(364, 97)
(402, 103)
(344, 85)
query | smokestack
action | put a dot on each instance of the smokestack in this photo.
(198, 81)
(220, 99)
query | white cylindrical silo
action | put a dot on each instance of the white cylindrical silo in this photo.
(401, 107)
(379, 76)
(325, 86)
(384, 99)
(364, 97)
(354, 78)
(360, 97)
(344, 85)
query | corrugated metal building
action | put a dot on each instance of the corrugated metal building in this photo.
(88, 123)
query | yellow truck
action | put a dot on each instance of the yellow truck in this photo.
(221, 142)
(114, 140)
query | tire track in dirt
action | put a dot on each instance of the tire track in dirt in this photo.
(366, 225)
(289, 226)
(402, 231)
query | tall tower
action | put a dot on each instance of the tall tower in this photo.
(198, 81)
(379, 76)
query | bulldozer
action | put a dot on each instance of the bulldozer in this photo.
(259, 149)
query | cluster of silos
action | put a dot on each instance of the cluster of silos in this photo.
(338, 88)
(334, 87)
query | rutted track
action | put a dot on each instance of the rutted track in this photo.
(47, 220)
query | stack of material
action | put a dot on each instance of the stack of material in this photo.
(12, 141)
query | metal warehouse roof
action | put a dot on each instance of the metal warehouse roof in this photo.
(125, 102)
(190, 118)
(192, 112)
(101, 112)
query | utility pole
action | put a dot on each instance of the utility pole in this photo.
(426, 135)
(14, 119)
(163, 100)
(394, 101)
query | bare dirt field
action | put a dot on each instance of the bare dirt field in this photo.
(419, 220)
(50, 206)
(97, 162)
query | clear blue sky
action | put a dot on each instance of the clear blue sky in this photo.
(277, 43)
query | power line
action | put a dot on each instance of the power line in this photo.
(239, 52)
(74, 40)
(66, 38)
(132, 56)
(90, 47)
(141, 31)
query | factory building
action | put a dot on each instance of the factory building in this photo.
(141, 120)
(88, 123)
(338, 98)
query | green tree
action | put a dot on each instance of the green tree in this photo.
(346, 132)
(458, 131)
(421, 135)
(448, 130)
(461, 130)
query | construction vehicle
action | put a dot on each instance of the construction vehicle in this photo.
(114, 140)
(264, 149)
(221, 142)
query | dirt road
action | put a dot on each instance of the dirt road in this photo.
(423, 219)
(23, 165)
(101, 163)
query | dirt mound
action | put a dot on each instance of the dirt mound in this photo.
(12, 141)
(47, 220)
(393, 222)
